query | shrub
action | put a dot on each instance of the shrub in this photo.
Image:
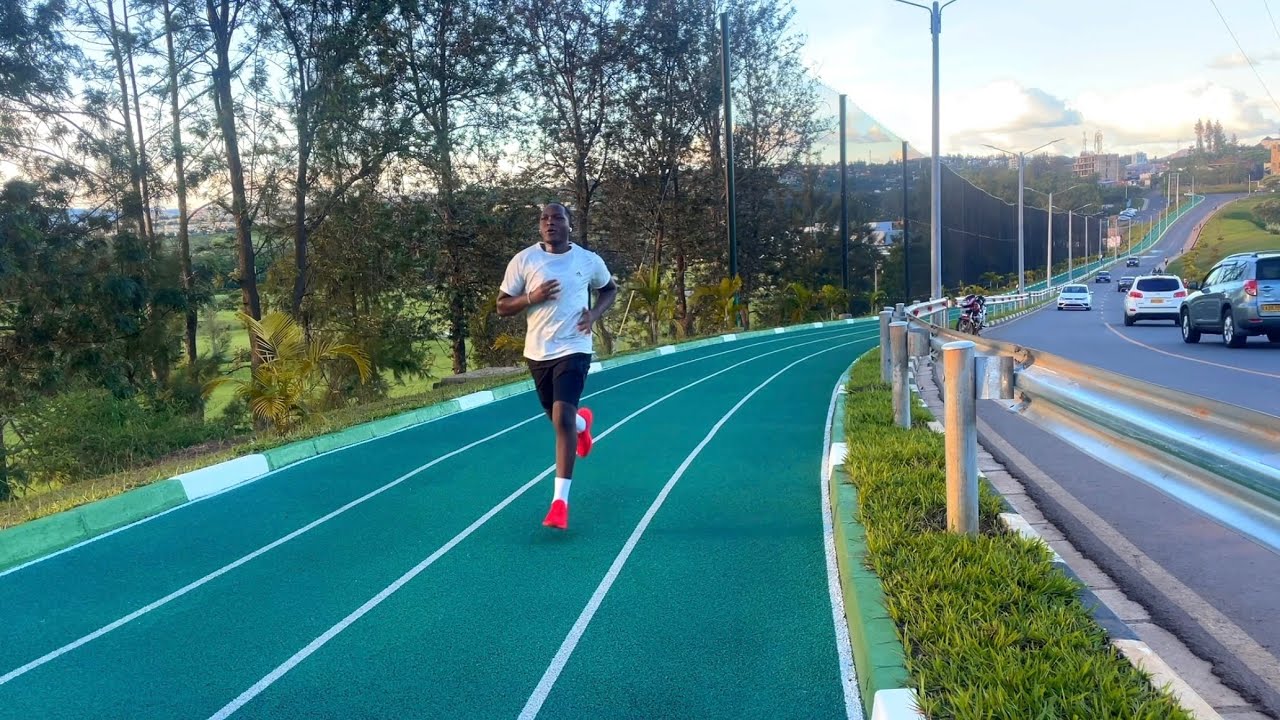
(86, 433)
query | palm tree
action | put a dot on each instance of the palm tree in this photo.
(800, 300)
(835, 300)
(281, 389)
(647, 286)
(722, 298)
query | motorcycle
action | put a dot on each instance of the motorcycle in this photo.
(973, 314)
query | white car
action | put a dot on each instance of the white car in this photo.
(1154, 297)
(1075, 296)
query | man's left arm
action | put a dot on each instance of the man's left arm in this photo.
(606, 293)
(606, 289)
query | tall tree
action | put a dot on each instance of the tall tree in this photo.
(136, 203)
(180, 175)
(775, 126)
(224, 18)
(322, 39)
(1200, 135)
(459, 61)
(1219, 137)
(575, 51)
(664, 96)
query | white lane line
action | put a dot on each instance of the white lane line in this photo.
(561, 658)
(1139, 343)
(103, 536)
(279, 672)
(53, 655)
(833, 456)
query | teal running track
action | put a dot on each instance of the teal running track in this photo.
(410, 576)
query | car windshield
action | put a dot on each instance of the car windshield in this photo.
(1160, 284)
(1127, 278)
(1269, 268)
(1075, 290)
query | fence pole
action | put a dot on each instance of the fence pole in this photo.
(961, 437)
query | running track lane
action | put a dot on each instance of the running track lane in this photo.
(719, 609)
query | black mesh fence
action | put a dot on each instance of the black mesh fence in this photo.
(980, 234)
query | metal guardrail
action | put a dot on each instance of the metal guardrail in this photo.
(1220, 459)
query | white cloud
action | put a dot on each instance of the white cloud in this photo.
(1237, 60)
(1156, 118)
(1165, 114)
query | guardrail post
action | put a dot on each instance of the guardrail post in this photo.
(901, 390)
(961, 437)
(885, 354)
(917, 342)
(900, 312)
(1006, 377)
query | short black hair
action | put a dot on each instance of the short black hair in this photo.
(567, 212)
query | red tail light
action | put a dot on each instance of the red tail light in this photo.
(1135, 294)
(1251, 288)
(1180, 293)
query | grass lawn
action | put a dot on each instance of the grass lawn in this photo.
(1238, 230)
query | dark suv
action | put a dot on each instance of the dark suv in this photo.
(1239, 297)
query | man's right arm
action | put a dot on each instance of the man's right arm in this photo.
(513, 294)
(508, 306)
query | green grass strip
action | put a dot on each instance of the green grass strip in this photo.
(990, 627)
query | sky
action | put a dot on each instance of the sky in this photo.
(1019, 73)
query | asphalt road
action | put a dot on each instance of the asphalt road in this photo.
(1210, 586)
(1153, 350)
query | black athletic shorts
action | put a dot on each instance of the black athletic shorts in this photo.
(561, 379)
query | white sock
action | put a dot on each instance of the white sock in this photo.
(562, 490)
(582, 423)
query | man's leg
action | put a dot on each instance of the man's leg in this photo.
(568, 381)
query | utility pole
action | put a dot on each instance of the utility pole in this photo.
(1022, 164)
(906, 234)
(844, 205)
(1048, 276)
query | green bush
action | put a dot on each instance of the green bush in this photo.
(86, 433)
(991, 629)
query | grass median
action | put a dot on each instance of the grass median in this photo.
(990, 627)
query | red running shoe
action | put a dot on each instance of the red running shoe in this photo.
(584, 437)
(558, 517)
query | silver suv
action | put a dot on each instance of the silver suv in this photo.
(1239, 297)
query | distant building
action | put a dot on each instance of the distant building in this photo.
(1275, 159)
(885, 233)
(1269, 142)
(1106, 167)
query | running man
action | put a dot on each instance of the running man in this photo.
(553, 280)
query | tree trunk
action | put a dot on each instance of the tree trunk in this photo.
(134, 175)
(149, 229)
(304, 130)
(682, 303)
(179, 165)
(223, 104)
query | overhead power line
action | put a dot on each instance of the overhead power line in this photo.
(1245, 54)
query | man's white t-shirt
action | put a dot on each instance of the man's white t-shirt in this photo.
(553, 325)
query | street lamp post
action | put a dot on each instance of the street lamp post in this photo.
(1022, 164)
(1048, 282)
(935, 180)
(1071, 266)
(1048, 274)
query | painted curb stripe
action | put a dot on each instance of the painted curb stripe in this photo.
(215, 478)
(475, 400)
